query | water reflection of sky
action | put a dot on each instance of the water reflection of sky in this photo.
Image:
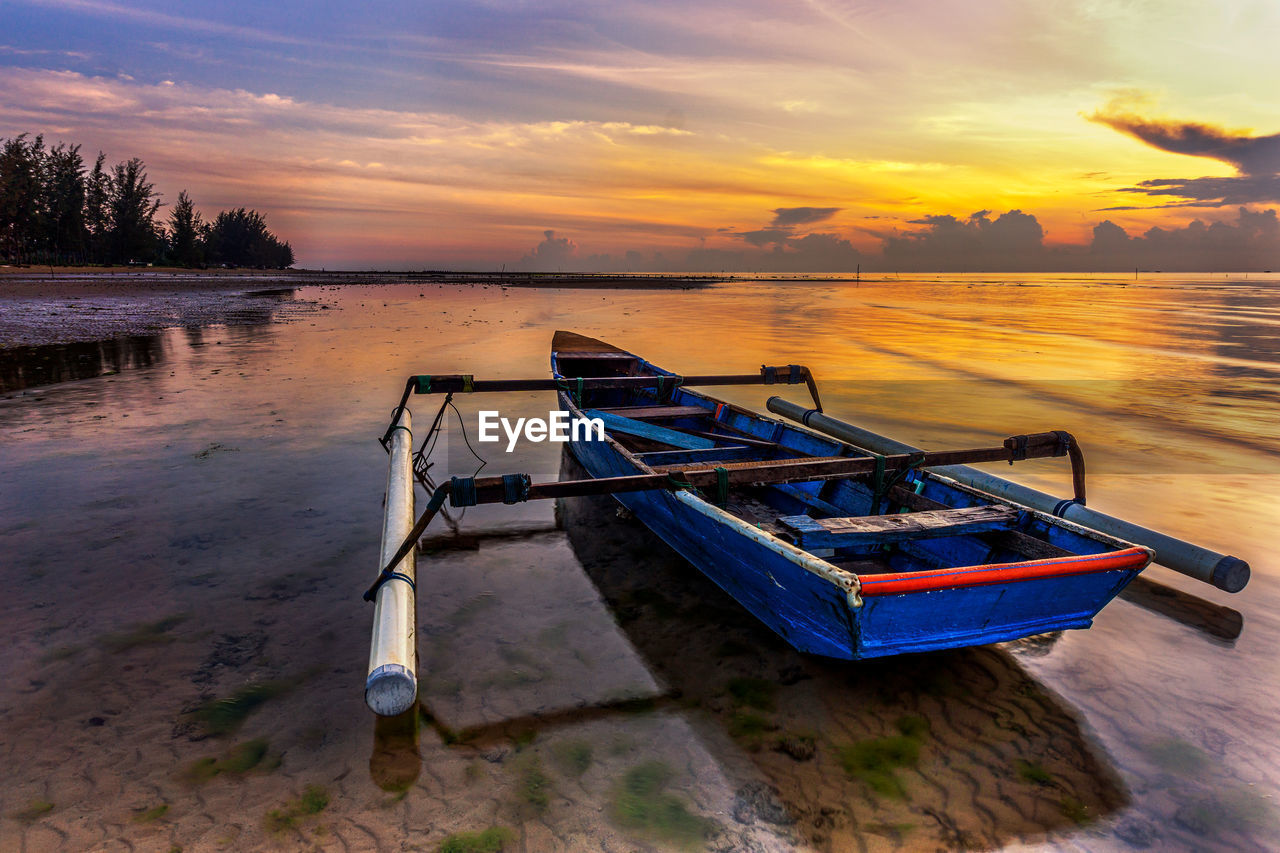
(224, 493)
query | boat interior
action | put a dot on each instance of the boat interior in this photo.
(919, 522)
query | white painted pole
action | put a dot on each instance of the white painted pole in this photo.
(392, 685)
(1224, 572)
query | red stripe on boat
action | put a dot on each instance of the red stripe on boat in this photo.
(898, 582)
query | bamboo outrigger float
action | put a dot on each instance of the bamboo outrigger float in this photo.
(845, 543)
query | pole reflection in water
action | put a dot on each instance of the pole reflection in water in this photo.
(957, 749)
(395, 763)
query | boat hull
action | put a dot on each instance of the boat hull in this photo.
(821, 609)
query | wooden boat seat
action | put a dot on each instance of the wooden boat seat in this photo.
(653, 432)
(650, 413)
(625, 356)
(777, 463)
(884, 529)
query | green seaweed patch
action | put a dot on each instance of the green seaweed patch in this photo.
(572, 757)
(896, 831)
(35, 810)
(1030, 771)
(750, 728)
(753, 692)
(244, 756)
(490, 840)
(533, 787)
(1074, 810)
(224, 716)
(912, 725)
(642, 804)
(874, 762)
(314, 800)
(141, 634)
(200, 771)
(152, 815)
(277, 821)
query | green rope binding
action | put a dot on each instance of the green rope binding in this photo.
(882, 485)
(678, 484)
(722, 487)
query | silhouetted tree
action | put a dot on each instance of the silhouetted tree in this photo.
(132, 210)
(52, 211)
(62, 204)
(97, 211)
(20, 164)
(240, 238)
(185, 237)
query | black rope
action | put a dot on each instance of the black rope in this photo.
(463, 425)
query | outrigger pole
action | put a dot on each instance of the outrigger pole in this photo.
(392, 683)
(1223, 571)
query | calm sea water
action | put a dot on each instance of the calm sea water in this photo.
(183, 545)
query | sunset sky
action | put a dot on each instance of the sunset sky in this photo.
(706, 135)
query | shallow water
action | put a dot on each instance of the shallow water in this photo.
(199, 527)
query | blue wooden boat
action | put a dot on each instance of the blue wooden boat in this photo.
(849, 567)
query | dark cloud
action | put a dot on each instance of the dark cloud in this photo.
(1257, 158)
(1013, 241)
(1252, 241)
(551, 255)
(1252, 155)
(766, 236)
(1210, 192)
(789, 217)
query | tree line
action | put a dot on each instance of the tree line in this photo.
(56, 210)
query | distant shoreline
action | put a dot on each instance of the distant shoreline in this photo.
(35, 281)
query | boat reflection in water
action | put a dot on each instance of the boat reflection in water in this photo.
(956, 749)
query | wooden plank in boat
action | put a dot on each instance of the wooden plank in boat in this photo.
(1009, 540)
(653, 432)
(649, 413)
(730, 466)
(883, 529)
(625, 356)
